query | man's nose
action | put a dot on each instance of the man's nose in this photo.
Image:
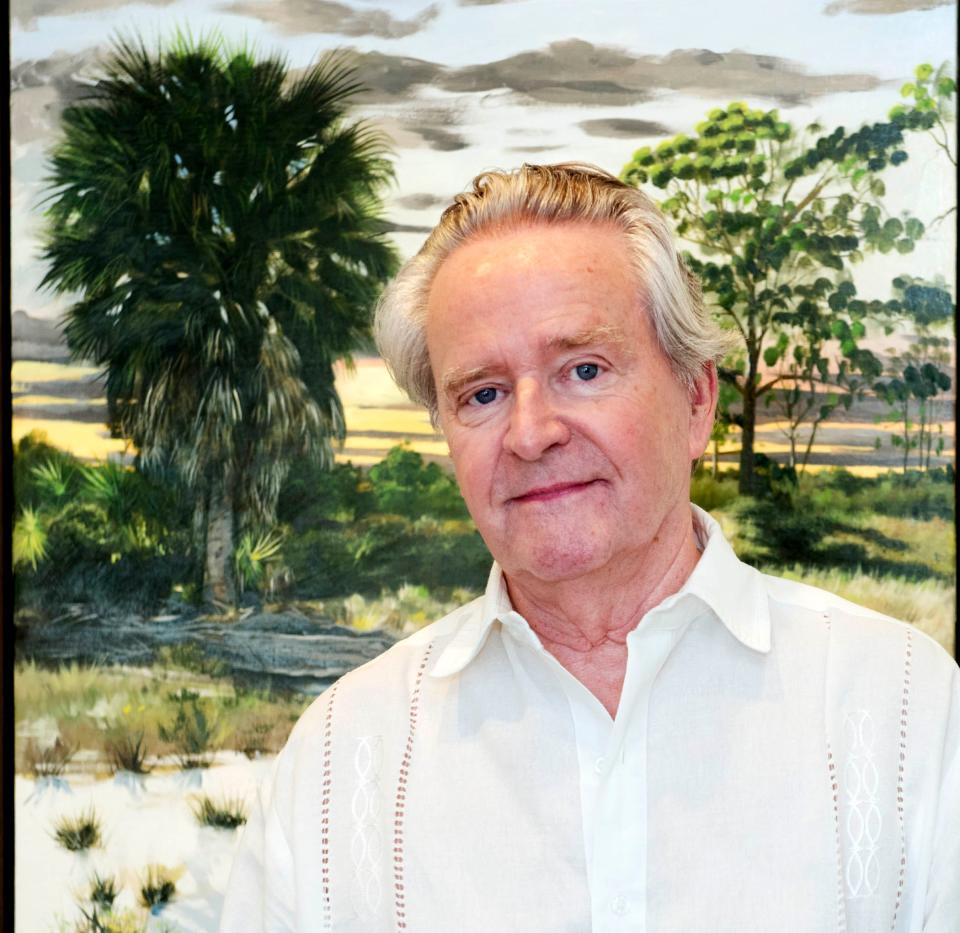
(536, 424)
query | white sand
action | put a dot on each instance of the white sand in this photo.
(145, 821)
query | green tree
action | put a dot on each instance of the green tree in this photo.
(776, 218)
(221, 219)
(916, 375)
(931, 97)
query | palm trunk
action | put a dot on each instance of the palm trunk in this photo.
(219, 585)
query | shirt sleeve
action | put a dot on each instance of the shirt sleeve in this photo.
(942, 909)
(260, 891)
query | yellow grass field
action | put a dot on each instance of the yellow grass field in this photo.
(378, 417)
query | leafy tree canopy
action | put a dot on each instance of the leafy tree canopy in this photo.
(776, 218)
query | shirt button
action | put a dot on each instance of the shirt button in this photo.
(619, 905)
(599, 764)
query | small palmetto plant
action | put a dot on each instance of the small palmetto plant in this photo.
(254, 556)
(78, 833)
(29, 538)
(51, 479)
(226, 813)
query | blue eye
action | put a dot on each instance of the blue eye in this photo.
(485, 396)
(587, 371)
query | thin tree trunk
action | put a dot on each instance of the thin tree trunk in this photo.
(219, 585)
(716, 458)
(747, 458)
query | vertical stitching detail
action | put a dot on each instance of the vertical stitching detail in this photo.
(901, 764)
(326, 785)
(835, 794)
(399, 889)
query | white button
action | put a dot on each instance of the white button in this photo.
(619, 905)
(600, 764)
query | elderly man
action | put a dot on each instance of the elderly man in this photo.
(630, 730)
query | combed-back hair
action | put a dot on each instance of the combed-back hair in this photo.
(569, 192)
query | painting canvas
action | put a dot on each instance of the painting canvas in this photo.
(222, 502)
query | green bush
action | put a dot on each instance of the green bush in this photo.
(404, 484)
(710, 493)
(192, 731)
(313, 495)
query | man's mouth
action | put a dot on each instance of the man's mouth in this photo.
(551, 492)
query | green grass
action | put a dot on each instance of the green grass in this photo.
(78, 833)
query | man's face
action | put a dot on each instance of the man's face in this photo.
(570, 435)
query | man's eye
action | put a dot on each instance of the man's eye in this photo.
(587, 371)
(485, 396)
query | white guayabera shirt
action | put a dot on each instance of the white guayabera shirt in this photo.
(781, 760)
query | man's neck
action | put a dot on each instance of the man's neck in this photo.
(584, 622)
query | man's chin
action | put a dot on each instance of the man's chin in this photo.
(553, 563)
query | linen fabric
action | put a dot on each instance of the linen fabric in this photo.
(781, 760)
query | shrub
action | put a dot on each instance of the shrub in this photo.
(47, 762)
(228, 813)
(710, 493)
(78, 833)
(157, 888)
(103, 891)
(126, 751)
(191, 731)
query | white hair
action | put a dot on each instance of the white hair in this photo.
(548, 194)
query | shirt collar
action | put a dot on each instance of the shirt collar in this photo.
(733, 590)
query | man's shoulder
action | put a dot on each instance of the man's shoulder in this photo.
(381, 688)
(861, 631)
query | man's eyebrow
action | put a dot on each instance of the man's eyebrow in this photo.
(588, 337)
(455, 379)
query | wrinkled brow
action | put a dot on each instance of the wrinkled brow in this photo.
(588, 337)
(458, 378)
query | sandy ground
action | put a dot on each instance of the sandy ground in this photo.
(145, 821)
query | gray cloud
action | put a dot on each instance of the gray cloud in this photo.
(622, 128)
(882, 7)
(577, 72)
(438, 138)
(295, 17)
(532, 150)
(421, 201)
(25, 12)
(70, 75)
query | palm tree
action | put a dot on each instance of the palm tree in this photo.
(220, 219)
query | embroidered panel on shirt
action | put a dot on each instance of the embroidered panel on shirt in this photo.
(901, 764)
(863, 822)
(835, 795)
(326, 783)
(399, 813)
(366, 843)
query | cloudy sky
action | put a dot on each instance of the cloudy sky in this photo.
(464, 85)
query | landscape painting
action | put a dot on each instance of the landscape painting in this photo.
(222, 502)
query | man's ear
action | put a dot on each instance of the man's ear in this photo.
(703, 409)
